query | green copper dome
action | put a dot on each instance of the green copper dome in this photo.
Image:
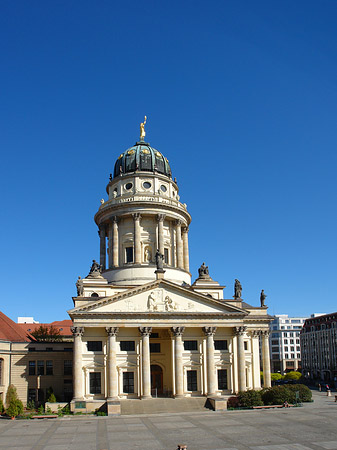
(141, 157)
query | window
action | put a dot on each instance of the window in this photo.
(31, 349)
(245, 345)
(49, 349)
(154, 347)
(128, 382)
(192, 384)
(32, 368)
(298, 349)
(94, 346)
(190, 345)
(49, 367)
(292, 356)
(286, 356)
(274, 342)
(40, 367)
(166, 256)
(67, 367)
(32, 395)
(292, 349)
(222, 379)
(285, 349)
(95, 382)
(129, 254)
(220, 345)
(292, 341)
(67, 349)
(291, 334)
(1, 370)
(127, 346)
(285, 334)
(286, 341)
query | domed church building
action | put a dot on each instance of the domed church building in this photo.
(141, 327)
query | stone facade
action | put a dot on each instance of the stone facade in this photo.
(141, 332)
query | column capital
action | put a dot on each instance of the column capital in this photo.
(185, 229)
(178, 222)
(265, 333)
(239, 331)
(145, 331)
(178, 331)
(161, 217)
(136, 216)
(114, 219)
(112, 331)
(254, 333)
(209, 331)
(77, 331)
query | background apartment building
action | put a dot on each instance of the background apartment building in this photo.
(319, 347)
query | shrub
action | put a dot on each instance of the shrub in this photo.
(31, 405)
(2, 408)
(12, 410)
(277, 395)
(304, 392)
(40, 410)
(51, 398)
(11, 394)
(19, 405)
(233, 402)
(250, 398)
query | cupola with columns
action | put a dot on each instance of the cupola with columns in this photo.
(142, 214)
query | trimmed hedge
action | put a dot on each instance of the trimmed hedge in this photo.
(277, 395)
(250, 398)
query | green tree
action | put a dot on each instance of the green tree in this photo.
(293, 376)
(2, 408)
(276, 376)
(11, 394)
(47, 333)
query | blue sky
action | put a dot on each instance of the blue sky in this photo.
(240, 97)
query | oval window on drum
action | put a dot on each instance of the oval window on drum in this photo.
(128, 186)
(163, 188)
(146, 185)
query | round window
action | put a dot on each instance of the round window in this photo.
(163, 188)
(128, 186)
(146, 185)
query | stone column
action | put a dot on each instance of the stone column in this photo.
(186, 254)
(110, 245)
(211, 375)
(266, 359)
(136, 239)
(146, 365)
(256, 359)
(77, 362)
(179, 245)
(102, 235)
(160, 219)
(112, 363)
(115, 243)
(239, 332)
(178, 359)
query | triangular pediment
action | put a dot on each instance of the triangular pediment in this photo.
(159, 297)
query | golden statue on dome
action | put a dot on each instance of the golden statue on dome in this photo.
(142, 129)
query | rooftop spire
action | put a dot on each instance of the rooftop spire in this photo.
(142, 129)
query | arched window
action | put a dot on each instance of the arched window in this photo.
(94, 294)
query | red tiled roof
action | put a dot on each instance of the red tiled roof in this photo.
(62, 325)
(11, 331)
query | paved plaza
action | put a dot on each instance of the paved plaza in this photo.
(314, 426)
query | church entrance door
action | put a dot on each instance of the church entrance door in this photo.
(156, 380)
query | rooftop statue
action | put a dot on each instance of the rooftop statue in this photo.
(203, 271)
(262, 298)
(95, 269)
(159, 260)
(237, 289)
(142, 129)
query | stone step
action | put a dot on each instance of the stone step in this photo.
(163, 405)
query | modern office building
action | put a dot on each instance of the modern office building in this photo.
(285, 349)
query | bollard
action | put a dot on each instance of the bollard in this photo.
(328, 393)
